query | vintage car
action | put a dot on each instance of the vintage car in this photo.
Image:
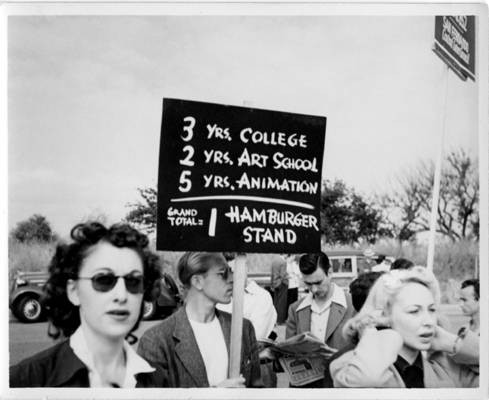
(346, 265)
(166, 303)
(27, 289)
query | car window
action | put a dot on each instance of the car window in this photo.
(335, 264)
(347, 265)
(363, 265)
(342, 265)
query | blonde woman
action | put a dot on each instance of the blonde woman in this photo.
(400, 341)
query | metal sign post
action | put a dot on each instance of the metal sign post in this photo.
(436, 183)
(455, 45)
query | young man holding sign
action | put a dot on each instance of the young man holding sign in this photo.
(192, 345)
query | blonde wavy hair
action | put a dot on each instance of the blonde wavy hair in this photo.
(384, 291)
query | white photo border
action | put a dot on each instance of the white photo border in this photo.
(263, 8)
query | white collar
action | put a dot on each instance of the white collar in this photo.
(252, 287)
(338, 297)
(135, 364)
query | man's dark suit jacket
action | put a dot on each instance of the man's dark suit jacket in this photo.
(299, 321)
(172, 345)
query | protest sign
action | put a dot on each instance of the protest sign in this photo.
(238, 179)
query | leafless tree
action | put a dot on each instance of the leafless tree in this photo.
(408, 207)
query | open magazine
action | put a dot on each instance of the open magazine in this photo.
(301, 356)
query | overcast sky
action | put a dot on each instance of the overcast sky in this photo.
(85, 97)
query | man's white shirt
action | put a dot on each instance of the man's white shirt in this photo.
(294, 274)
(320, 314)
(212, 346)
(258, 308)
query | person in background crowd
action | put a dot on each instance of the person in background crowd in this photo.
(395, 325)
(401, 263)
(469, 299)
(94, 296)
(294, 277)
(279, 287)
(192, 345)
(370, 260)
(383, 264)
(359, 289)
(325, 310)
(258, 308)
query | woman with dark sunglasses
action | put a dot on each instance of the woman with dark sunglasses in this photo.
(94, 298)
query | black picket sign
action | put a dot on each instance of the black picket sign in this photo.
(238, 179)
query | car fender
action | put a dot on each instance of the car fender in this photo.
(169, 294)
(21, 292)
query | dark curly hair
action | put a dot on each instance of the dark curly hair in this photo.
(63, 316)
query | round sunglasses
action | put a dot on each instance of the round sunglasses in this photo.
(106, 281)
(224, 273)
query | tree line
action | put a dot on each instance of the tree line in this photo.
(349, 217)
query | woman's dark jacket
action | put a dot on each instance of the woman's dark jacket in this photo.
(58, 366)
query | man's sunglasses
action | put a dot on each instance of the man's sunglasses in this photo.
(106, 281)
(225, 273)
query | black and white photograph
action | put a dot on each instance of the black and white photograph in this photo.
(245, 200)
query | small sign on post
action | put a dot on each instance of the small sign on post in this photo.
(455, 43)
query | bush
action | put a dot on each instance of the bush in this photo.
(454, 261)
(29, 257)
(35, 229)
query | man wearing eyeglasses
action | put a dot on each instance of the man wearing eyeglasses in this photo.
(257, 305)
(325, 309)
(192, 345)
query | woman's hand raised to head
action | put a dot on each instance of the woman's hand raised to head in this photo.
(443, 340)
(375, 319)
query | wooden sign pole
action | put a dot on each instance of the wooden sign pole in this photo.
(239, 281)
